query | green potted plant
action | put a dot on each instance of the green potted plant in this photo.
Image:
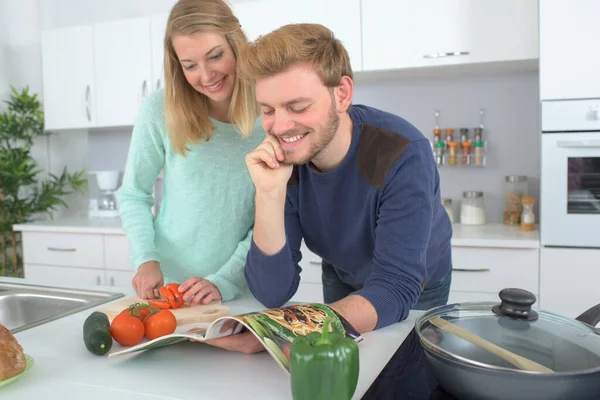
(24, 193)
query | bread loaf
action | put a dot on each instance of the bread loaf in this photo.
(12, 358)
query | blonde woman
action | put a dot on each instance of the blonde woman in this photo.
(197, 131)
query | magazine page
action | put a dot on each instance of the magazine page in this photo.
(274, 328)
(277, 328)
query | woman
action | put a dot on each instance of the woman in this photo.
(198, 131)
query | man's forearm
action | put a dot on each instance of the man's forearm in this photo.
(358, 311)
(269, 223)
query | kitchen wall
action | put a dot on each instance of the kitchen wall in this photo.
(510, 101)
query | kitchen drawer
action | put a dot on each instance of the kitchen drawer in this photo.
(489, 270)
(116, 252)
(309, 292)
(119, 278)
(66, 249)
(311, 266)
(64, 276)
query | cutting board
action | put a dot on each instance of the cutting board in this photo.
(185, 315)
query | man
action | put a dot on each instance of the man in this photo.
(359, 185)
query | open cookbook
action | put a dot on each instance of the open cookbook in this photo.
(275, 328)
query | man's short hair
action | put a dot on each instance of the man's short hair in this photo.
(296, 44)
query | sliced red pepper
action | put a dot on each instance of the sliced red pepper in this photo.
(159, 303)
(167, 295)
(174, 288)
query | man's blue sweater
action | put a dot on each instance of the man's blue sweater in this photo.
(377, 218)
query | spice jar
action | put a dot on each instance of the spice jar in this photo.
(464, 135)
(437, 135)
(472, 209)
(449, 135)
(515, 187)
(439, 153)
(466, 153)
(447, 203)
(452, 153)
(478, 150)
(478, 135)
(527, 216)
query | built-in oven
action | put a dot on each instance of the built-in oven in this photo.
(570, 173)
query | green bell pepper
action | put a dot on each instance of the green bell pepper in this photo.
(324, 366)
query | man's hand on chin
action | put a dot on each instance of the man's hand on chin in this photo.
(244, 342)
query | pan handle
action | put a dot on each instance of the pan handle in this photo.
(591, 316)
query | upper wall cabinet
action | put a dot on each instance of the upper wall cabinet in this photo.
(99, 75)
(341, 16)
(569, 56)
(68, 77)
(425, 33)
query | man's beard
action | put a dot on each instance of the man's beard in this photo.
(327, 132)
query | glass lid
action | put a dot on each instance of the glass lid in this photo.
(511, 335)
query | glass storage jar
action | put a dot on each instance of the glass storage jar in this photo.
(527, 216)
(472, 208)
(515, 187)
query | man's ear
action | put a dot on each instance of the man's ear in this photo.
(344, 93)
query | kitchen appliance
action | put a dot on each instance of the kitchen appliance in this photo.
(105, 204)
(570, 173)
(469, 370)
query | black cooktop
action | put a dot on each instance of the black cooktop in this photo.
(407, 376)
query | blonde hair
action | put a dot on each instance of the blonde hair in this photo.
(310, 44)
(186, 110)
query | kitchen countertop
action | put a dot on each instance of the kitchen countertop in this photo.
(488, 235)
(62, 364)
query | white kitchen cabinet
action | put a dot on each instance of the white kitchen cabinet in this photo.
(65, 276)
(569, 280)
(408, 34)
(69, 258)
(68, 77)
(158, 25)
(123, 70)
(341, 16)
(569, 56)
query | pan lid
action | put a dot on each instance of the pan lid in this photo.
(512, 336)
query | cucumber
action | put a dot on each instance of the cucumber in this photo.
(96, 333)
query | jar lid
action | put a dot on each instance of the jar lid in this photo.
(515, 178)
(478, 144)
(466, 144)
(464, 130)
(437, 130)
(439, 144)
(472, 194)
(452, 144)
(449, 130)
(527, 200)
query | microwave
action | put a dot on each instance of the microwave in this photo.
(570, 173)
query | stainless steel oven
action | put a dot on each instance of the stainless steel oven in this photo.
(570, 173)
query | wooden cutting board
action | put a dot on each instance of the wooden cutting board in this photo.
(185, 315)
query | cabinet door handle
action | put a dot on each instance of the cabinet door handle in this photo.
(98, 280)
(61, 249)
(112, 281)
(158, 84)
(471, 270)
(88, 110)
(315, 262)
(144, 89)
(446, 54)
(578, 144)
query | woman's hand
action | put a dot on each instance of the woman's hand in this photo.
(148, 278)
(197, 290)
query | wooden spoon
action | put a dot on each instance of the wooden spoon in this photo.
(515, 359)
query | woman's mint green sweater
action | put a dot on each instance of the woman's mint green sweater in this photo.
(204, 224)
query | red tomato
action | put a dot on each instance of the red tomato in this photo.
(160, 324)
(127, 330)
(140, 311)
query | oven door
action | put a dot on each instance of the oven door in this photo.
(570, 189)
